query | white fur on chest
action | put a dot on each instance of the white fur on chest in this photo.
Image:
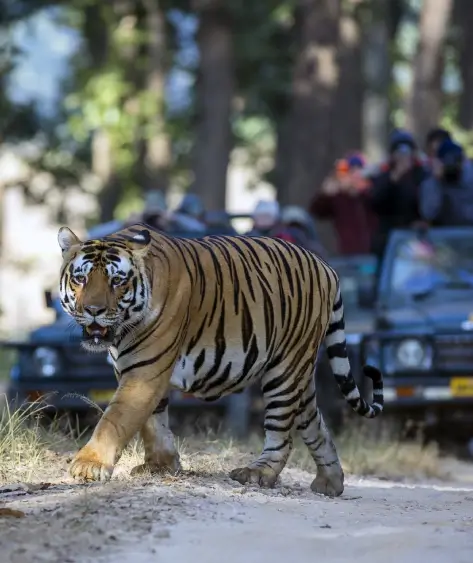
(184, 375)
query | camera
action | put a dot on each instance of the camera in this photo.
(452, 166)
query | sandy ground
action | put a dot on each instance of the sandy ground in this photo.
(211, 519)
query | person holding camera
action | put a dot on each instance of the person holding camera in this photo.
(447, 195)
(342, 200)
(434, 138)
(395, 190)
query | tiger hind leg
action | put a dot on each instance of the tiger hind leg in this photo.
(281, 397)
(161, 455)
(311, 426)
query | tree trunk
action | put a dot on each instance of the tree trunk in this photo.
(315, 82)
(214, 92)
(155, 147)
(97, 38)
(377, 65)
(464, 19)
(348, 117)
(102, 167)
(280, 174)
(424, 108)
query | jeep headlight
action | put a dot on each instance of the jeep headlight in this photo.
(412, 353)
(46, 361)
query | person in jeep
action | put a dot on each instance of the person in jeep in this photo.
(395, 191)
(446, 197)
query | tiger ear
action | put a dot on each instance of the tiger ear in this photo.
(140, 241)
(67, 239)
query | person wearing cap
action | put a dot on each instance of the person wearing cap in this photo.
(266, 216)
(154, 212)
(189, 215)
(395, 192)
(297, 226)
(343, 201)
(434, 138)
(447, 195)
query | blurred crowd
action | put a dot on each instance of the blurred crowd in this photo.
(412, 188)
(415, 187)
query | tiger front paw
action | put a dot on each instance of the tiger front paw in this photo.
(87, 466)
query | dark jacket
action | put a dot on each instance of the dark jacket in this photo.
(396, 203)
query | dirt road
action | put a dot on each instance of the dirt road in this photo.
(210, 519)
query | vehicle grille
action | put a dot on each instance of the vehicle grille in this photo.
(454, 352)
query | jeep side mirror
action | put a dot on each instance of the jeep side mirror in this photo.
(48, 299)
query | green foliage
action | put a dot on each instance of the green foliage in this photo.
(100, 105)
(131, 202)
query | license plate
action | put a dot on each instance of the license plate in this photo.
(101, 396)
(461, 386)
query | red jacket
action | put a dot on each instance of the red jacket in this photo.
(353, 219)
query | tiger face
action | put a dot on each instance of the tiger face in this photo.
(103, 285)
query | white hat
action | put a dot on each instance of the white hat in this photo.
(155, 201)
(268, 208)
(295, 214)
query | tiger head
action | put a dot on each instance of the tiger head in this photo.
(103, 284)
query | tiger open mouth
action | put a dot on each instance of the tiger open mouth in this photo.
(97, 333)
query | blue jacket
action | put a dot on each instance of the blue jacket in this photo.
(448, 204)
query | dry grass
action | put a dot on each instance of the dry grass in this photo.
(31, 445)
(385, 457)
(32, 451)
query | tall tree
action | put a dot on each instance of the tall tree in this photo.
(425, 103)
(97, 41)
(265, 47)
(348, 117)
(463, 17)
(215, 88)
(154, 143)
(314, 88)
(381, 19)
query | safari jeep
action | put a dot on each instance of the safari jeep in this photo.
(422, 338)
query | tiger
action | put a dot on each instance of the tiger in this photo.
(209, 316)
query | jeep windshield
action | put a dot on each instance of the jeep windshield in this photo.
(439, 263)
(355, 273)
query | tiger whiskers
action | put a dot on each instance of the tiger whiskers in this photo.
(128, 328)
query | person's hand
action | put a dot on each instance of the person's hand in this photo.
(330, 186)
(437, 168)
(345, 183)
(402, 165)
(357, 184)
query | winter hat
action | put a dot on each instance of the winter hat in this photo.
(192, 205)
(401, 137)
(449, 147)
(269, 208)
(155, 202)
(295, 214)
(356, 160)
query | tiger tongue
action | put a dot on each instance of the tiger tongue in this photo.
(96, 330)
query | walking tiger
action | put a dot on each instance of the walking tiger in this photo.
(209, 316)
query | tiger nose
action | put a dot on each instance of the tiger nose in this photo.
(94, 310)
